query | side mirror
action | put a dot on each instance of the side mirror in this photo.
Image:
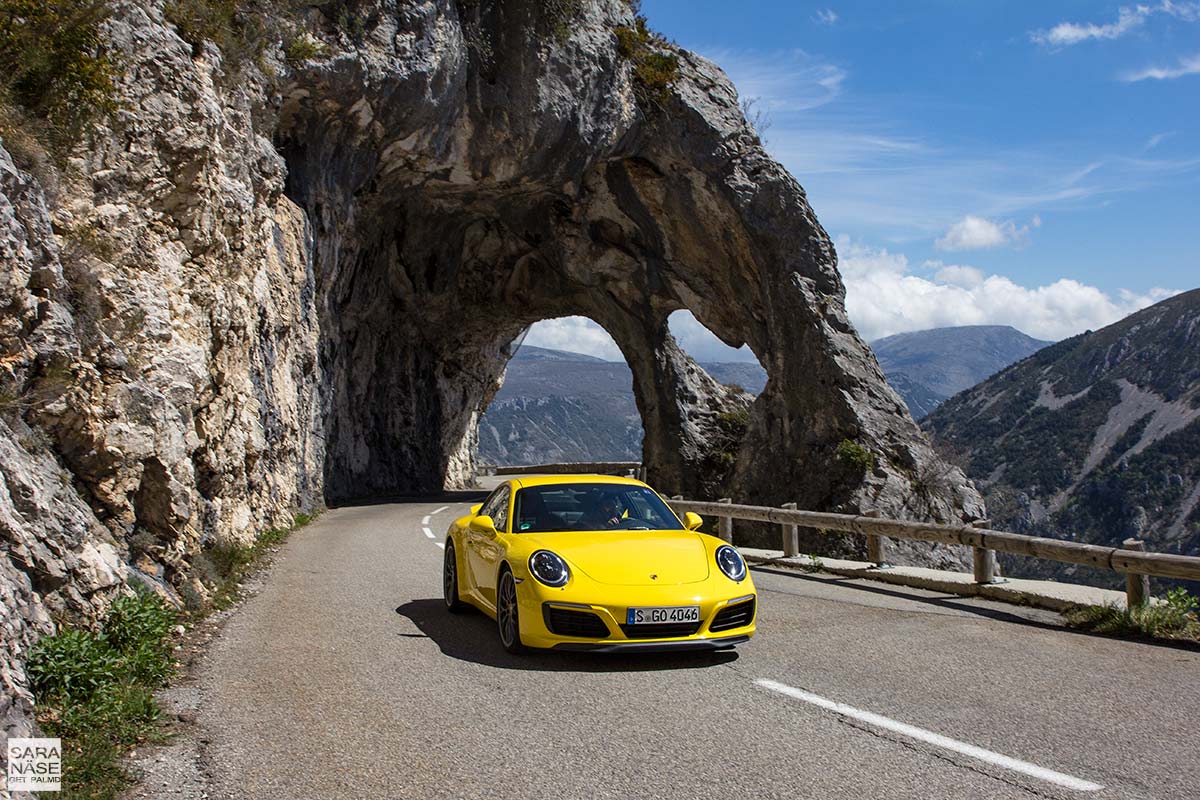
(692, 520)
(483, 524)
(475, 508)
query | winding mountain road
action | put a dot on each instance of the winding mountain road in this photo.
(344, 677)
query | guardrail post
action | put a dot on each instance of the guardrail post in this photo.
(1137, 587)
(791, 535)
(985, 565)
(725, 524)
(875, 544)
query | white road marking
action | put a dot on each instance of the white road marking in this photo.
(439, 510)
(441, 545)
(425, 519)
(936, 739)
(429, 533)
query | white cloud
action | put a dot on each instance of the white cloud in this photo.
(582, 335)
(1129, 18)
(1186, 66)
(977, 233)
(1157, 139)
(575, 335)
(955, 275)
(826, 16)
(783, 80)
(701, 343)
(1068, 33)
(867, 169)
(884, 297)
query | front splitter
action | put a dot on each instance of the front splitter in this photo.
(654, 647)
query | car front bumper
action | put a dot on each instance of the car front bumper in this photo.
(537, 630)
(665, 646)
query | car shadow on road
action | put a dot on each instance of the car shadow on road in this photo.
(471, 636)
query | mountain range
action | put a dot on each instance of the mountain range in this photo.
(561, 406)
(928, 367)
(1093, 439)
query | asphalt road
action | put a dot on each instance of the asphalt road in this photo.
(344, 677)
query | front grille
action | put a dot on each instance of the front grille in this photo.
(569, 622)
(735, 616)
(663, 630)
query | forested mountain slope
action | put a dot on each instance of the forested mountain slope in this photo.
(1094, 439)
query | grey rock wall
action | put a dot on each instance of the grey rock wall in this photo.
(263, 285)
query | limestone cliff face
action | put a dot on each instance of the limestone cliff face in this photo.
(262, 285)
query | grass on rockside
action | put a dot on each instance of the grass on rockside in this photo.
(1174, 617)
(230, 563)
(95, 689)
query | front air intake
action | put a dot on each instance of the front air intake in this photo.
(735, 616)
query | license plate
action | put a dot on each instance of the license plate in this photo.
(658, 615)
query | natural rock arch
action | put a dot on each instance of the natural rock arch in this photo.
(486, 187)
(267, 283)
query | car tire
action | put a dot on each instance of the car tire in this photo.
(450, 581)
(508, 616)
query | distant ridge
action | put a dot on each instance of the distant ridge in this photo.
(561, 406)
(927, 367)
(1094, 439)
(557, 405)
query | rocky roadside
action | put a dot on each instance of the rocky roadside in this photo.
(180, 766)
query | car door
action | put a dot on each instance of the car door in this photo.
(483, 550)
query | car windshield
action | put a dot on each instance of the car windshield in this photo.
(591, 507)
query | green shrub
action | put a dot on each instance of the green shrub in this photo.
(230, 25)
(231, 562)
(655, 67)
(70, 666)
(561, 14)
(1173, 618)
(1181, 602)
(855, 456)
(123, 711)
(139, 629)
(96, 691)
(54, 66)
(303, 48)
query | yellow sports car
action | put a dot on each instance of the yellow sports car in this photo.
(587, 562)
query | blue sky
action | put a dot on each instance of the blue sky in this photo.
(1032, 164)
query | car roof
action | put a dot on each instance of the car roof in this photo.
(550, 480)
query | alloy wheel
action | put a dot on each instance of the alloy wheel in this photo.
(507, 618)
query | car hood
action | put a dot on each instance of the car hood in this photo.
(630, 558)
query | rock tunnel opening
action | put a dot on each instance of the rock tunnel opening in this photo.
(450, 208)
(567, 396)
(421, 290)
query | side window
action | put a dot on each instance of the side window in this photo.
(489, 503)
(499, 513)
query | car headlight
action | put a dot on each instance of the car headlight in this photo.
(549, 568)
(731, 563)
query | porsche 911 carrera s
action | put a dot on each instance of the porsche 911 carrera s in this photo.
(596, 563)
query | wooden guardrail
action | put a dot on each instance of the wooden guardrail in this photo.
(592, 467)
(1129, 559)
